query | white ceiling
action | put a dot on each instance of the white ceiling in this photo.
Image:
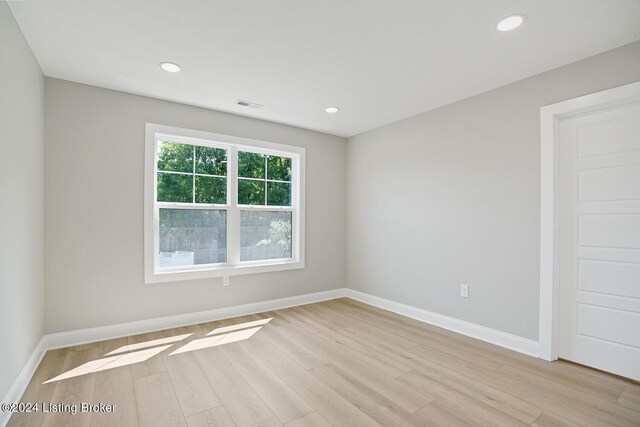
(378, 60)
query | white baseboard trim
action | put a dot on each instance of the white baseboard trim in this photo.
(493, 336)
(83, 336)
(24, 377)
(101, 333)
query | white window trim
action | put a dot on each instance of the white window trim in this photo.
(233, 265)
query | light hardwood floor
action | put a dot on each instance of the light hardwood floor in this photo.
(340, 363)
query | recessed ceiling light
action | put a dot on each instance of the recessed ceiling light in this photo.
(332, 110)
(170, 67)
(510, 22)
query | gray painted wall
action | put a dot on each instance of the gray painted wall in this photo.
(21, 192)
(94, 210)
(452, 196)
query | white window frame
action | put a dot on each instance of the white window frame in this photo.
(153, 274)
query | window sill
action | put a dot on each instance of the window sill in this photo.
(221, 271)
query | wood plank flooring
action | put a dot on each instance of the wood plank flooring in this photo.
(335, 363)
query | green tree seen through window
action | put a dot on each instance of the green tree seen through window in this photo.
(264, 179)
(183, 168)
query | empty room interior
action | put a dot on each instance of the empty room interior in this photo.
(320, 213)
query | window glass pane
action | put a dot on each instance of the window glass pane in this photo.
(279, 168)
(175, 157)
(175, 188)
(210, 189)
(250, 165)
(278, 194)
(265, 235)
(250, 192)
(192, 237)
(211, 161)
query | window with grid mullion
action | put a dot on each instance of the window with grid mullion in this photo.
(219, 205)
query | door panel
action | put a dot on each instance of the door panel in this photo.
(605, 324)
(608, 277)
(610, 230)
(606, 137)
(615, 183)
(599, 239)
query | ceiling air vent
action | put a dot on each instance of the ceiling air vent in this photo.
(248, 104)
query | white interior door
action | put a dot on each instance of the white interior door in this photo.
(599, 239)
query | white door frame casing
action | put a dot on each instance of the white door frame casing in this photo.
(550, 115)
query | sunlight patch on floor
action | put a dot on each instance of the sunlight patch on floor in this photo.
(239, 326)
(217, 340)
(109, 363)
(145, 344)
(217, 337)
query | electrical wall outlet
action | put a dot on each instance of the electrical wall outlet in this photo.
(464, 291)
(225, 281)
